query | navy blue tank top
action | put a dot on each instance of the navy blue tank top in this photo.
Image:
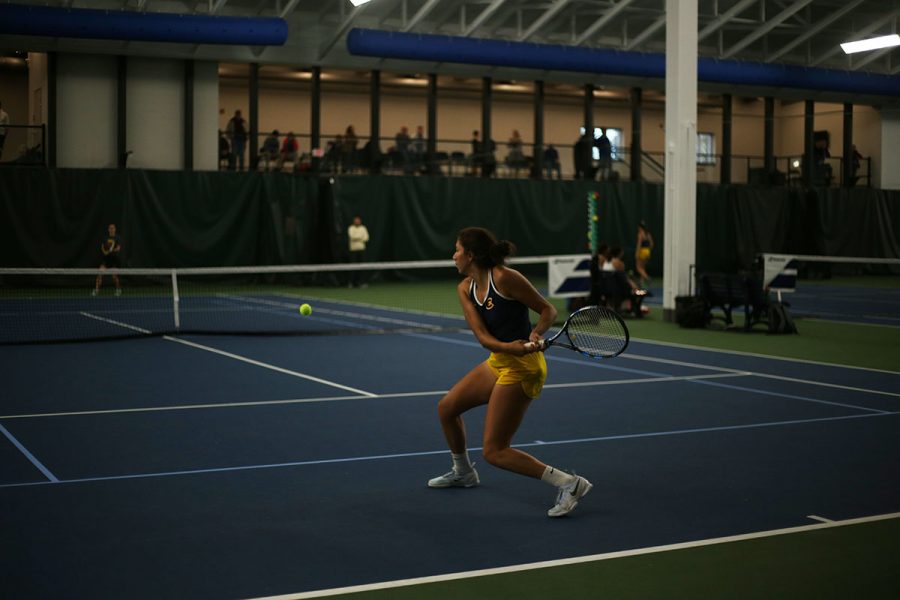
(506, 319)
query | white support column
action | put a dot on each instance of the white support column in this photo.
(681, 150)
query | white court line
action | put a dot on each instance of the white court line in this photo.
(824, 384)
(819, 519)
(257, 363)
(757, 355)
(250, 361)
(605, 365)
(344, 398)
(328, 461)
(578, 559)
(113, 322)
(31, 457)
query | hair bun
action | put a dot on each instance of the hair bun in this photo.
(501, 250)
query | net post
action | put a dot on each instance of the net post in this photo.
(175, 300)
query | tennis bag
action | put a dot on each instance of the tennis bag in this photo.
(780, 320)
(691, 311)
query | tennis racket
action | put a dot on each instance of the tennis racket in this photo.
(594, 331)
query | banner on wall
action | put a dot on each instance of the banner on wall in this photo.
(569, 276)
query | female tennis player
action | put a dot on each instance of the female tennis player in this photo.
(642, 253)
(495, 300)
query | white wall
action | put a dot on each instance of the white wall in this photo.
(206, 118)
(86, 111)
(155, 113)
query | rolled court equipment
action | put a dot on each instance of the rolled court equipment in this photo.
(57, 305)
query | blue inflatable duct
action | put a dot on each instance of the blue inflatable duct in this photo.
(443, 48)
(17, 19)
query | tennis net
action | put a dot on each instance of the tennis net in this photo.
(836, 287)
(57, 305)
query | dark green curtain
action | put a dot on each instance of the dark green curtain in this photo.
(58, 217)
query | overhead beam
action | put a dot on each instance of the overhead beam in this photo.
(288, 8)
(342, 29)
(421, 14)
(869, 58)
(725, 18)
(544, 19)
(815, 30)
(767, 27)
(483, 16)
(858, 35)
(647, 33)
(602, 21)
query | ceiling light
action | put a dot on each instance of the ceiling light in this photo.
(884, 41)
(358, 2)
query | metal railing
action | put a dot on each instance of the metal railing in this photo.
(460, 158)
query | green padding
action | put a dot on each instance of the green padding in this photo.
(56, 218)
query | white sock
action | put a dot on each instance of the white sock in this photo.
(461, 462)
(557, 478)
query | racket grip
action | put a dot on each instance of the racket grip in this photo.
(536, 345)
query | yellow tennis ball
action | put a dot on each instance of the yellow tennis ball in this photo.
(305, 309)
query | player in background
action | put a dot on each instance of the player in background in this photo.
(111, 247)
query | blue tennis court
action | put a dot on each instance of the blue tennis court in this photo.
(246, 467)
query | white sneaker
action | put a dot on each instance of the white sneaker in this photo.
(94, 292)
(118, 291)
(568, 496)
(454, 479)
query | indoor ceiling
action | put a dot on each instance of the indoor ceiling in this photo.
(799, 32)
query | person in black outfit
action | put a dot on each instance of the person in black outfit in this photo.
(110, 248)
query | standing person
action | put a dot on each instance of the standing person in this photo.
(418, 148)
(401, 150)
(237, 131)
(358, 237)
(581, 156)
(4, 121)
(604, 152)
(348, 151)
(642, 252)
(475, 158)
(111, 247)
(495, 300)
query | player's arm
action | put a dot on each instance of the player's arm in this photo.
(476, 324)
(516, 286)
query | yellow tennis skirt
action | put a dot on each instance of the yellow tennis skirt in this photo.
(529, 370)
(644, 253)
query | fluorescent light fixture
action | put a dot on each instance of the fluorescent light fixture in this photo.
(885, 41)
(358, 2)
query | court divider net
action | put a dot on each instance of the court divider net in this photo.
(60, 305)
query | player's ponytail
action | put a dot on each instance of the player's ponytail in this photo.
(501, 250)
(486, 250)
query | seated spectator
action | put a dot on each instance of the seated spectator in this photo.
(515, 159)
(613, 286)
(289, 151)
(551, 162)
(269, 150)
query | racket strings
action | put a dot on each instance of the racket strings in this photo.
(598, 332)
